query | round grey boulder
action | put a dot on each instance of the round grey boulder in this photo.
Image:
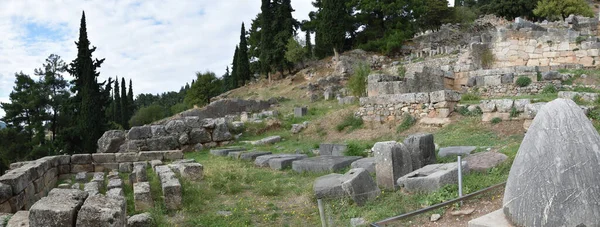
(554, 177)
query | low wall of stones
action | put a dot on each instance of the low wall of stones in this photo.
(437, 104)
(511, 89)
(221, 108)
(27, 182)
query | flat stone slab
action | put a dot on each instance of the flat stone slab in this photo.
(100, 210)
(365, 163)
(460, 150)
(59, 208)
(494, 219)
(332, 149)
(432, 177)
(19, 219)
(225, 151)
(356, 184)
(485, 160)
(329, 186)
(283, 163)
(323, 163)
(191, 171)
(265, 141)
(251, 156)
(263, 161)
(114, 183)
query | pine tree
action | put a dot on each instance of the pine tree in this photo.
(234, 70)
(118, 115)
(124, 105)
(266, 38)
(91, 99)
(243, 62)
(131, 102)
(54, 83)
(226, 80)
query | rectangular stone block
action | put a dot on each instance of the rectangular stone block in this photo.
(5, 207)
(52, 174)
(29, 196)
(332, 149)
(323, 163)
(150, 155)
(142, 196)
(300, 111)
(173, 155)
(98, 177)
(92, 188)
(114, 183)
(392, 160)
(64, 159)
(77, 168)
(171, 188)
(444, 95)
(64, 169)
(19, 219)
(5, 192)
(190, 171)
(103, 158)
(105, 167)
(100, 210)
(17, 201)
(81, 159)
(126, 157)
(18, 179)
(125, 167)
(143, 163)
(282, 163)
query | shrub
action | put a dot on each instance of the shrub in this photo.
(496, 120)
(401, 71)
(580, 39)
(407, 123)
(147, 115)
(349, 121)
(358, 82)
(539, 76)
(487, 58)
(463, 110)
(513, 112)
(357, 149)
(549, 89)
(470, 97)
(523, 81)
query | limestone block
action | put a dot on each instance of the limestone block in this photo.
(18, 179)
(76, 168)
(142, 196)
(125, 167)
(114, 183)
(421, 148)
(103, 167)
(173, 155)
(58, 209)
(190, 171)
(393, 160)
(19, 219)
(126, 157)
(81, 159)
(359, 185)
(100, 210)
(140, 220)
(150, 155)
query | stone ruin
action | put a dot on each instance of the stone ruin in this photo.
(553, 180)
(92, 192)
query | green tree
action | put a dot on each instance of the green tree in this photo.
(254, 38)
(56, 86)
(243, 62)
(147, 115)
(509, 9)
(124, 105)
(235, 77)
(227, 84)
(266, 37)
(332, 19)
(308, 46)
(91, 99)
(207, 86)
(131, 102)
(435, 14)
(295, 53)
(118, 114)
(560, 9)
(284, 27)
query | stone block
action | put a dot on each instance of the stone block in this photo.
(18, 179)
(155, 163)
(114, 183)
(60, 208)
(251, 156)
(300, 111)
(81, 159)
(329, 186)
(421, 148)
(81, 177)
(282, 163)
(332, 149)
(493, 219)
(190, 171)
(393, 160)
(150, 155)
(98, 177)
(504, 105)
(444, 95)
(29, 196)
(5, 207)
(126, 157)
(125, 167)
(92, 188)
(267, 140)
(19, 219)
(103, 158)
(221, 132)
(6, 192)
(102, 211)
(483, 161)
(17, 201)
(64, 159)
(140, 220)
(359, 185)
(76, 168)
(487, 106)
(263, 161)
(520, 104)
(171, 189)
(173, 155)
(225, 151)
(487, 117)
(144, 164)
(431, 177)
(142, 196)
(495, 80)
(323, 163)
(138, 174)
(454, 151)
(104, 167)
(64, 169)
(139, 133)
(365, 163)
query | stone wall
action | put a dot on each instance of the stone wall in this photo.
(27, 182)
(221, 108)
(511, 89)
(427, 80)
(437, 104)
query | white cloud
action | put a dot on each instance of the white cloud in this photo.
(157, 44)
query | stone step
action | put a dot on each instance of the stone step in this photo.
(323, 163)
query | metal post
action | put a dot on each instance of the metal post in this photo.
(460, 178)
(321, 213)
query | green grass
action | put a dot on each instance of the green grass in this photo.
(350, 122)
(128, 190)
(407, 122)
(159, 212)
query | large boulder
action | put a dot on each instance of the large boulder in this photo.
(111, 141)
(554, 177)
(221, 131)
(139, 132)
(199, 135)
(176, 127)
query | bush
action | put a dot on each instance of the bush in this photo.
(513, 112)
(349, 121)
(580, 39)
(579, 100)
(539, 76)
(496, 120)
(401, 71)
(358, 82)
(147, 115)
(463, 110)
(523, 81)
(466, 97)
(407, 123)
(549, 89)
(487, 58)
(357, 149)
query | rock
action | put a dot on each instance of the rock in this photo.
(224, 213)
(551, 75)
(19, 219)
(431, 177)
(158, 130)
(282, 163)
(59, 208)
(435, 217)
(98, 177)
(155, 163)
(508, 78)
(268, 140)
(142, 197)
(462, 212)
(126, 157)
(487, 106)
(392, 160)
(114, 183)
(300, 111)
(359, 185)
(92, 188)
(139, 132)
(171, 188)
(555, 173)
(225, 151)
(251, 156)
(297, 128)
(347, 100)
(323, 163)
(81, 159)
(191, 171)
(484, 161)
(140, 220)
(221, 131)
(492, 219)
(184, 139)
(459, 150)
(329, 186)
(111, 141)
(100, 210)
(356, 222)
(365, 163)
(172, 155)
(332, 149)
(125, 167)
(504, 105)
(199, 135)
(421, 148)
(103, 158)
(264, 161)
(520, 104)
(162, 143)
(150, 155)
(176, 127)
(532, 109)
(138, 174)
(81, 177)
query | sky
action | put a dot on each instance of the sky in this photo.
(159, 44)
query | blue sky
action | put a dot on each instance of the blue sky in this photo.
(158, 44)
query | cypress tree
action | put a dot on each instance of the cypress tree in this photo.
(227, 80)
(90, 98)
(243, 62)
(234, 75)
(124, 105)
(117, 102)
(284, 29)
(330, 28)
(266, 38)
(131, 102)
(309, 51)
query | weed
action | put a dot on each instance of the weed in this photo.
(585, 89)
(463, 110)
(579, 100)
(406, 124)
(523, 81)
(358, 82)
(580, 39)
(549, 89)
(496, 120)
(539, 76)
(401, 71)
(470, 97)
(487, 58)
(350, 121)
(356, 148)
(513, 112)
